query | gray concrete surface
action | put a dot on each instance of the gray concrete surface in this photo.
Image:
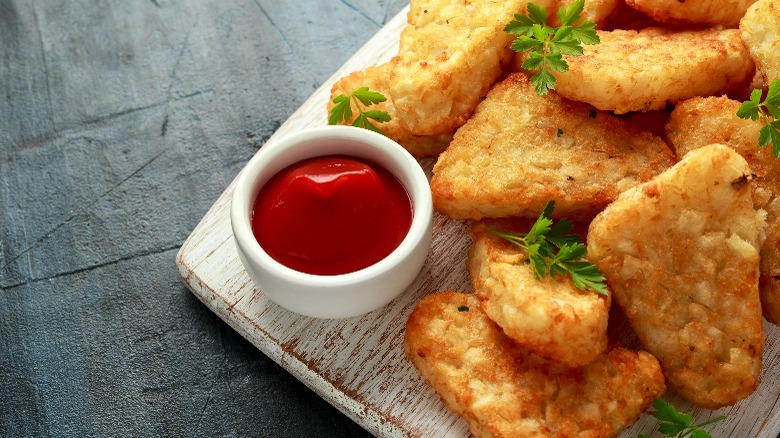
(121, 122)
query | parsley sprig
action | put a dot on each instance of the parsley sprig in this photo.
(363, 97)
(548, 44)
(553, 250)
(769, 111)
(678, 424)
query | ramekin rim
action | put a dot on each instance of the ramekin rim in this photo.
(417, 187)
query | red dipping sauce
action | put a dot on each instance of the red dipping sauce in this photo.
(331, 215)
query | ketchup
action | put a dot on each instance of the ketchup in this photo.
(331, 215)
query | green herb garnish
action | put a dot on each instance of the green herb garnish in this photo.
(363, 97)
(769, 111)
(553, 250)
(463, 308)
(548, 44)
(559, 133)
(678, 424)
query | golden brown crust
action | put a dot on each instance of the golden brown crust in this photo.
(701, 121)
(509, 160)
(377, 78)
(551, 317)
(681, 255)
(769, 281)
(642, 71)
(760, 30)
(450, 54)
(502, 390)
(704, 12)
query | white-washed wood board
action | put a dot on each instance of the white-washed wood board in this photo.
(358, 364)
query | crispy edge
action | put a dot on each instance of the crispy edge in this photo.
(578, 199)
(701, 121)
(439, 80)
(464, 356)
(692, 12)
(756, 29)
(687, 354)
(550, 317)
(613, 74)
(377, 78)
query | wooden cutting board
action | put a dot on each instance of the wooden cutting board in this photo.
(357, 364)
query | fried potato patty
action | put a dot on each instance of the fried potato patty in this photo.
(550, 317)
(681, 256)
(521, 150)
(377, 78)
(701, 121)
(707, 12)
(643, 70)
(450, 54)
(760, 30)
(502, 390)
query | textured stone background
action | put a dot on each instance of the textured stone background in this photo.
(121, 122)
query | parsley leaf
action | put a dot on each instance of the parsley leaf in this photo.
(342, 110)
(678, 424)
(363, 97)
(769, 112)
(368, 97)
(586, 33)
(572, 14)
(553, 250)
(667, 412)
(543, 81)
(521, 25)
(537, 13)
(548, 44)
(379, 116)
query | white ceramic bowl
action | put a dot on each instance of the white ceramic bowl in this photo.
(344, 295)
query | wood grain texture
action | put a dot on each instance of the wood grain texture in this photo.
(357, 364)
